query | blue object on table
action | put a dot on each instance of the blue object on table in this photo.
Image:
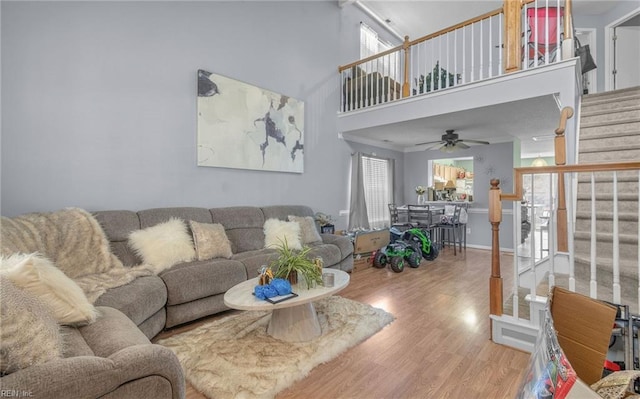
(282, 286)
(276, 287)
(265, 291)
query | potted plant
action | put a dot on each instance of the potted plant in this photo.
(291, 262)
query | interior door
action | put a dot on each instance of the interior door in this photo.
(626, 52)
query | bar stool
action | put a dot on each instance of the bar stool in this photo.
(451, 231)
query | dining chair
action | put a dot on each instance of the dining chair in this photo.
(422, 217)
(393, 214)
(450, 230)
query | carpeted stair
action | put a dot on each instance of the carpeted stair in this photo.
(609, 132)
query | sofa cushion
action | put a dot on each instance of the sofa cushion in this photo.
(138, 300)
(151, 217)
(278, 233)
(30, 334)
(210, 240)
(254, 260)
(117, 226)
(308, 230)
(244, 226)
(74, 343)
(187, 282)
(329, 253)
(112, 332)
(282, 212)
(164, 244)
(37, 275)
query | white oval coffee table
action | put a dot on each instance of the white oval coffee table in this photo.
(293, 320)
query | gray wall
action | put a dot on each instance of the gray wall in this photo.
(599, 22)
(490, 161)
(99, 101)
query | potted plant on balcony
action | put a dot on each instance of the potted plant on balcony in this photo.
(290, 263)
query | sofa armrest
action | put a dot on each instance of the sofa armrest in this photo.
(85, 377)
(342, 242)
(111, 332)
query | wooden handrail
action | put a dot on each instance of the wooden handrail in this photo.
(457, 26)
(370, 58)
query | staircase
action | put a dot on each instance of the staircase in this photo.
(609, 132)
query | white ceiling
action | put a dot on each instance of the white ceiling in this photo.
(417, 18)
(475, 124)
(494, 123)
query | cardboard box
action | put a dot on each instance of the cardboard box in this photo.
(370, 241)
(583, 326)
(362, 261)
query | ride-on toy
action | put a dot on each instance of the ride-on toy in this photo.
(395, 254)
(421, 240)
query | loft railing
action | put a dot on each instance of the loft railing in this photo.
(479, 48)
(597, 280)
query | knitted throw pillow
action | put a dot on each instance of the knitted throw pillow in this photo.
(30, 334)
(210, 240)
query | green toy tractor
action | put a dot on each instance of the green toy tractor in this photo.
(395, 255)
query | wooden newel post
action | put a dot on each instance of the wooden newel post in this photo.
(495, 217)
(560, 145)
(405, 84)
(512, 36)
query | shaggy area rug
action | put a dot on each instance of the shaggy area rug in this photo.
(234, 357)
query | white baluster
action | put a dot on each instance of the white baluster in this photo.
(616, 243)
(593, 282)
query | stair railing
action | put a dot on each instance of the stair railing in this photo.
(563, 228)
(479, 48)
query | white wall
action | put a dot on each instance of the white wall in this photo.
(99, 101)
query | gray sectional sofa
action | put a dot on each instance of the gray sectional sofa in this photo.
(113, 357)
(189, 291)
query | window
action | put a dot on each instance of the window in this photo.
(371, 44)
(378, 183)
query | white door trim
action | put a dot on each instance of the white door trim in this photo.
(608, 48)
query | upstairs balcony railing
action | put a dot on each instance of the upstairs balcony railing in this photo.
(519, 35)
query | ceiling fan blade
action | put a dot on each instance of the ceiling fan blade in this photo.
(462, 145)
(431, 142)
(474, 141)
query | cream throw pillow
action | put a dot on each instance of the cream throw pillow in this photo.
(37, 275)
(164, 244)
(210, 240)
(30, 334)
(276, 232)
(308, 230)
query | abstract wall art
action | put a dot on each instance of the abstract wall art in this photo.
(246, 127)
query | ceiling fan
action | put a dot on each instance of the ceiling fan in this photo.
(451, 142)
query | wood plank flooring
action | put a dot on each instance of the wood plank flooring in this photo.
(438, 346)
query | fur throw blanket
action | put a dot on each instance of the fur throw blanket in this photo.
(75, 242)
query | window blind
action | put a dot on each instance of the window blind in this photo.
(377, 192)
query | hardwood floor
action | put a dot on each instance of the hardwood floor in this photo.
(438, 346)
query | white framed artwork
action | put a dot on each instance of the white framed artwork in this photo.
(246, 127)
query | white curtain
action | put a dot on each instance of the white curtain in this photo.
(358, 205)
